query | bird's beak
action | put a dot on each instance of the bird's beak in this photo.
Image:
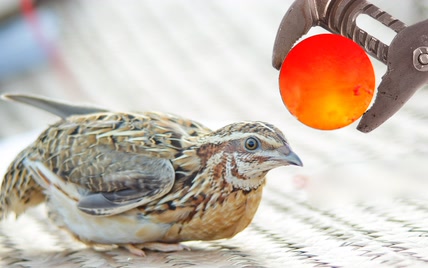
(289, 157)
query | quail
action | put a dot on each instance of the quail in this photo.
(142, 180)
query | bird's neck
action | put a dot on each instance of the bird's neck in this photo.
(242, 176)
(225, 168)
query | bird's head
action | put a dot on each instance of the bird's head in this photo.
(242, 153)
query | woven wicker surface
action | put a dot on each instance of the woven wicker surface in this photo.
(360, 201)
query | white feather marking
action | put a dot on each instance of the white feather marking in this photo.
(238, 136)
(213, 199)
(253, 178)
(266, 126)
(118, 132)
(142, 138)
(48, 180)
(233, 136)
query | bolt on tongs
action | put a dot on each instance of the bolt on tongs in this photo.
(406, 57)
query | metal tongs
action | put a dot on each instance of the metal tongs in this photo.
(406, 57)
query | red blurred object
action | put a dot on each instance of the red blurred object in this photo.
(28, 10)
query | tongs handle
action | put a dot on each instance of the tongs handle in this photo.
(336, 16)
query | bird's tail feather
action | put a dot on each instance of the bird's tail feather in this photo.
(19, 190)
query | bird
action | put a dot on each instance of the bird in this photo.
(142, 180)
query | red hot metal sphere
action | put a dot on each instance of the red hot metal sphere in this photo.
(327, 81)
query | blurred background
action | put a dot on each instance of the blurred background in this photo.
(211, 61)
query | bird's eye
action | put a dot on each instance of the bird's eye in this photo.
(251, 144)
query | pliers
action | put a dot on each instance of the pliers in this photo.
(406, 57)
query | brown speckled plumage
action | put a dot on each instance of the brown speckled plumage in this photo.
(143, 178)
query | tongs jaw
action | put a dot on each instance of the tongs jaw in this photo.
(406, 57)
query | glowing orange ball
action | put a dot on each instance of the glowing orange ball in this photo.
(327, 81)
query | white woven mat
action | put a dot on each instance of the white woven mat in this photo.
(360, 200)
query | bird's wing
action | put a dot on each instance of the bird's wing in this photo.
(58, 108)
(129, 181)
(143, 180)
